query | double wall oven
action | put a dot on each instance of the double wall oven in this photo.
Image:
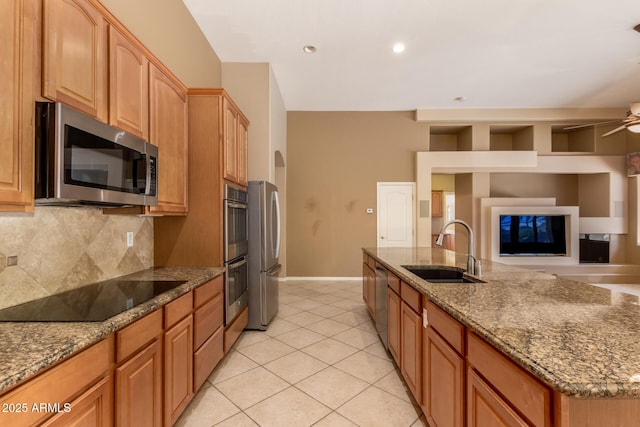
(236, 244)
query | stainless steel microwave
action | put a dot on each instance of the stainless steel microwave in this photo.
(81, 161)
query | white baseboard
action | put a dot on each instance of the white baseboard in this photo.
(285, 279)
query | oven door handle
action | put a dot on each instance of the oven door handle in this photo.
(237, 264)
(236, 205)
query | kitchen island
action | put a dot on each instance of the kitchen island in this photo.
(580, 341)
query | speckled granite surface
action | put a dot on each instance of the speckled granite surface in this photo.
(580, 339)
(27, 348)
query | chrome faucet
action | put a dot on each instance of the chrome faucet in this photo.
(472, 262)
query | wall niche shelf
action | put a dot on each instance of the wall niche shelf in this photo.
(581, 140)
(450, 138)
(511, 137)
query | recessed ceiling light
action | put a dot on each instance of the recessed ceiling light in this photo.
(398, 47)
(309, 49)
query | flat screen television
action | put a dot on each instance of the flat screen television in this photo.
(533, 235)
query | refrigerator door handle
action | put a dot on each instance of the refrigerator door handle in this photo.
(273, 271)
(276, 201)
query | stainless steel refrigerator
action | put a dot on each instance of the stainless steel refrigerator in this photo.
(264, 250)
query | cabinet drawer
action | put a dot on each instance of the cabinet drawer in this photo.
(412, 297)
(448, 327)
(94, 407)
(523, 391)
(207, 357)
(137, 335)
(394, 282)
(207, 291)
(59, 384)
(207, 319)
(486, 407)
(177, 309)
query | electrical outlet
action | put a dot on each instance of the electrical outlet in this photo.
(129, 239)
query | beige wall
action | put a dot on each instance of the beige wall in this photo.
(334, 161)
(168, 30)
(633, 203)
(248, 85)
(563, 187)
(63, 248)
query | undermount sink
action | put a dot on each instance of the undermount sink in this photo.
(441, 275)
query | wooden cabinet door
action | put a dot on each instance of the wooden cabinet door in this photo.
(128, 85)
(75, 56)
(17, 38)
(243, 151)
(139, 388)
(485, 408)
(168, 130)
(436, 203)
(393, 321)
(411, 349)
(443, 382)
(178, 369)
(93, 408)
(230, 142)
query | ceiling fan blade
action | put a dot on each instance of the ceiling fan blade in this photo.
(618, 129)
(590, 124)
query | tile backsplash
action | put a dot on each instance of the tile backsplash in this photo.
(64, 248)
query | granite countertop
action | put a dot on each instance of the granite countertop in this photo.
(580, 339)
(26, 348)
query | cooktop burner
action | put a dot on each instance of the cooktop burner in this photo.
(91, 303)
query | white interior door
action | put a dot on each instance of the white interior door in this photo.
(396, 212)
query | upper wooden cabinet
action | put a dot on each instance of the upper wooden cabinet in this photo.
(436, 202)
(128, 85)
(235, 144)
(17, 38)
(243, 150)
(75, 55)
(168, 130)
(230, 142)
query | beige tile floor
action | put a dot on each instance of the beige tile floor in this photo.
(320, 363)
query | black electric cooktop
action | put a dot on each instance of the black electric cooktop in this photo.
(91, 303)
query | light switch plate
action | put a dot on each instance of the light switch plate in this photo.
(129, 239)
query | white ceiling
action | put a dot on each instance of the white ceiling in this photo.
(495, 53)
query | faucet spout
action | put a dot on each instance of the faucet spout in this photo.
(471, 258)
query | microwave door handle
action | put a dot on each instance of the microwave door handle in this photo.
(147, 187)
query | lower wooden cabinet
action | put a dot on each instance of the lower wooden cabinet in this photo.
(520, 389)
(178, 369)
(443, 382)
(393, 322)
(93, 408)
(139, 388)
(486, 408)
(64, 383)
(411, 349)
(208, 330)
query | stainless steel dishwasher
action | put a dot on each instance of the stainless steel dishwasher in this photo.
(382, 321)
